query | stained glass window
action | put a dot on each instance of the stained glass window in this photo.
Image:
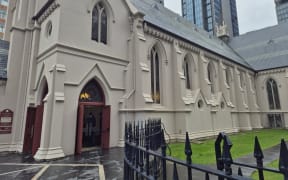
(91, 93)
(155, 76)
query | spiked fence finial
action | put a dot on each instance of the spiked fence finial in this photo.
(258, 154)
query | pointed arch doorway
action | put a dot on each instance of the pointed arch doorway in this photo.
(93, 121)
(33, 127)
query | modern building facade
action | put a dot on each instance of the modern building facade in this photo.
(282, 10)
(3, 15)
(66, 92)
(208, 14)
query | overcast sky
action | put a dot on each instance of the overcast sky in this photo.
(252, 14)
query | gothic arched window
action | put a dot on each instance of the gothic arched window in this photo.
(187, 72)
(92, 92)
(273, 95)
(228, 76)
(155, 76)
(99, 23)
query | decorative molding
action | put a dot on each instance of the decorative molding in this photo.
(107, 82)
(272, 71)
(144, 67)
(157, 33)
(48, 12)
(148, 98)
(189, 47)
(59, 97)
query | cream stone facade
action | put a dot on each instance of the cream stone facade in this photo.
(52, 59)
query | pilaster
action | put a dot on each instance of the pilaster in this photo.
(51, 137)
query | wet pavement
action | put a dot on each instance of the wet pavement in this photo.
(98, 164)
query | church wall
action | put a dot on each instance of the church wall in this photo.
(184, 106)
(76, 26)
(280, 76)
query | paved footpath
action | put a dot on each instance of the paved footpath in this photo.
(90, 166)
(94, 165)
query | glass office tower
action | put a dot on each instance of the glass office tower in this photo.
(282, 10)
(207, 14)
(3, 15)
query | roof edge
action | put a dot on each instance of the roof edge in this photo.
(43, 9)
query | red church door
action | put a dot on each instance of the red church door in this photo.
(93, 119)
(33, 129)
(29, 130)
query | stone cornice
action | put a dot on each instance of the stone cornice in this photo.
(158, 34)
(46, 11)
(188, 46)
(272, 71)
(211, 56)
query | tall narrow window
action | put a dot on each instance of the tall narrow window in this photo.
(187, 73)
(211, 76)
(155, 76)
(242, 80)
(273, 95)
(99, 23)
(228, 76)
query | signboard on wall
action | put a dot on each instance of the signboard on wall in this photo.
(6, 121)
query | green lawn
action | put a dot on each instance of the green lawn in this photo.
(243, 144)
(269, 175)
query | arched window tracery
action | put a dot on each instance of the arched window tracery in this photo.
(99, 23)
(273, 95)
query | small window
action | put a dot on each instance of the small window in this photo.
(222, 105)
(200, 104)
(49, 29)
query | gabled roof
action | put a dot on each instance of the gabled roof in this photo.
(264, 49)
(166, 20)
(4, 48)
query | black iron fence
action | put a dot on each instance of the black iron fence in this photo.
(145, 157)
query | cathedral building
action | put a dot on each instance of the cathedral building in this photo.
(76, 72)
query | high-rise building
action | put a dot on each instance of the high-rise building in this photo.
(208, 14)
(3, 15)
(282, 10)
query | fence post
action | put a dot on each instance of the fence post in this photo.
(218, 153)
(147, 144)
(188, 152)
(125, 153)
(227, 159)
(163, 148)
(175, 172)
(283, 160)
(258, 154)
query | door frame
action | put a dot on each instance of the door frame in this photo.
(80, 122)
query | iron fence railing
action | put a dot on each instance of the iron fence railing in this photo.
(146, 158)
